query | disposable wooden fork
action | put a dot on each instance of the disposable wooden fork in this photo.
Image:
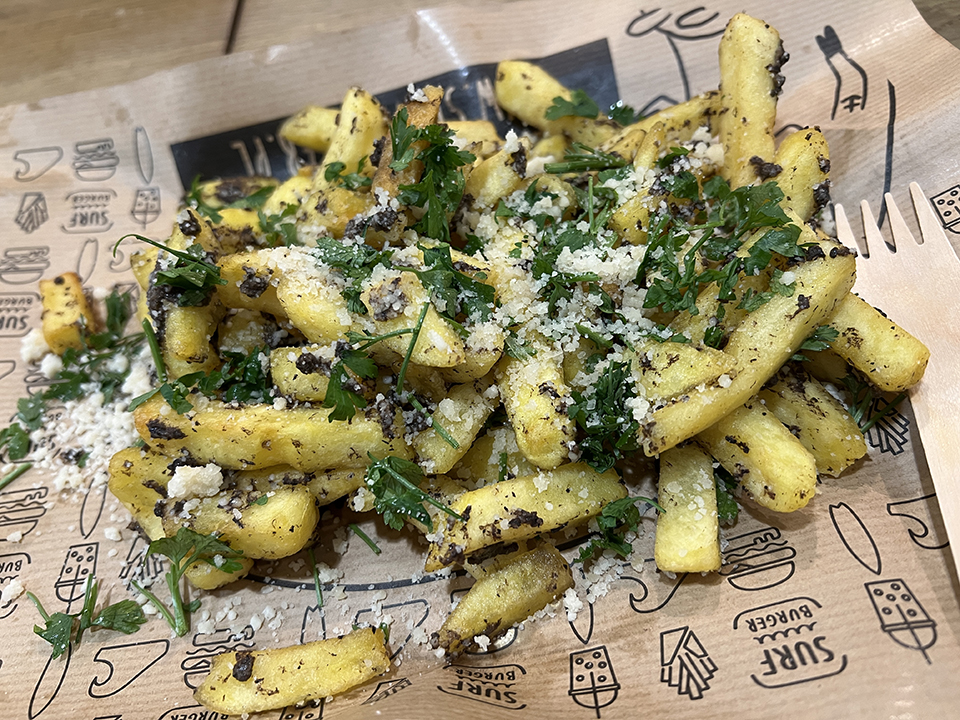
(919, 285)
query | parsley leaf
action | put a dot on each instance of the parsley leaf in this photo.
(606, 418)
(402, 137)
(441, 185)
(623, 114)
(458, 292)
(396, 484)
(184, 549)
(579, 105)
(192, 275)
(352, 181)
(280, 229)
(615, 521)
(356, 262)
(194, 199)
(864, 400)
(819, 339)
(61, 629)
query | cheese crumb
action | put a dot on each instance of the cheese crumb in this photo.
(190, 481)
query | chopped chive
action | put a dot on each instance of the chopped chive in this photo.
(366, 538)
(14, 474)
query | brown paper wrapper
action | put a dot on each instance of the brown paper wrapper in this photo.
(847, 608)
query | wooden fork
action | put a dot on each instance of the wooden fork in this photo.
(919, 284)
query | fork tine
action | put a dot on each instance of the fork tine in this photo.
(844, 231)
(930, 229)
(872, 233)
(906, 245)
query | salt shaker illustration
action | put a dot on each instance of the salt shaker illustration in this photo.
(684, 663)
(850, 89)
(80, 563)
(593, 683)
(902, 616)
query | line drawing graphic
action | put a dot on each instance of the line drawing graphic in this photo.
(888, 152)
(24, 265)
(695, 24)
(758, 560)
(925, 512)
(121, 669)
(844, 68)
(143, 153)
(87, 259)
(947, 206)
(593, 683)
(35, 162)
(902, 616)
(32, 212)
(95, 160)
(855, 537)
(684, 663)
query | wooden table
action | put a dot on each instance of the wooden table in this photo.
(51, 47)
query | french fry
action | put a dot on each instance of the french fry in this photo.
(461, 415)
(750, 58)
(259, 436)
(760, 345)
(774, 467)
(886, 354)
(526, 91)
(313, 127)
(688, 533)
(804, 161)
(251, 681)
(505, 597)
(816, 418)
(518, 509)
(66, 312)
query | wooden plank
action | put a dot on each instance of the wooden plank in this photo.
(61, 46)
(271, 22)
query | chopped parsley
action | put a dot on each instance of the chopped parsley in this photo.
(240, 379)
(441, 183)
(605, 417)
(62, 629)
(183, 550)
(616, 520)
(458, 293)
(396, 484)
(192, 276)
(194, 199)
(356, 262)
(727, 508)
(864, 400)
(579, 105)
(818, 340)
(352, 181)
(280, 229)
(581, 158)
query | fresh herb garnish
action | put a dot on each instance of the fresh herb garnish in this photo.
(581, 158)
(616, 520)
(194, 199)
(623, 114)
(183, 550)
(864, 399)
(441, 184)
(818, 340)
(356, 262)
(352, 181)
(316, 577)
(579, 105)
(193, 276)
(605, 417)
(280, 229)
(458, 293)
(366, 538)
(727, 508)
(396, 484)
(93, 364)
(14, 474)
(61, 629)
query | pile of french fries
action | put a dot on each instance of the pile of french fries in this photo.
(774, 425)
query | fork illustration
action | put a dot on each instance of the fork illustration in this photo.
(920, 284)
